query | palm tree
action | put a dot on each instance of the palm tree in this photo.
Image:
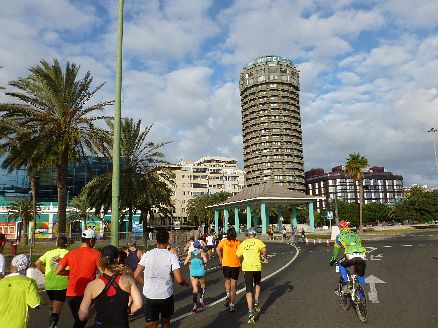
(353, 169)
(80, 211)
(54, 102)
(18, 144)
(138, 175)
(21, 210)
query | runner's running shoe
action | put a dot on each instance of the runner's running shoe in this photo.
(195, 307)
(251, 318)
(232, 309)
(201, 305)
(227, 302)
(256, 308)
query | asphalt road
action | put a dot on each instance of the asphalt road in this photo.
(302, 294)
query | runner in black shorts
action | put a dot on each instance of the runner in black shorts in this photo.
(231, 272)
(252, 278)
(155, 307)
(57, 295)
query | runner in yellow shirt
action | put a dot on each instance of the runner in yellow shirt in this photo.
(56, 285)
(250, 250)
(17, 292)
(226, 251)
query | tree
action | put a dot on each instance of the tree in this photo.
(142, 180)
(374, 212)
(21, 210)
(353, 169)
(54, 102)
(19, 144)
(197, 211)
(80, 211)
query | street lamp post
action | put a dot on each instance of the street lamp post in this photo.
(116, 143)
(433, 131)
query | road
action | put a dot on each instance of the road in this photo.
(302, 294)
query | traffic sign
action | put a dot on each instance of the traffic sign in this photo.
(329, 215)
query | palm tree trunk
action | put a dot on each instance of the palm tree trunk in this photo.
(24, 240)
(130, 221)
(360, 206)
(61, 182)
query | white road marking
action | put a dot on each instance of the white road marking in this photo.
(377, 257)
(430, 235)
(370, 249)
(372, 281)
(185, 315)
(387, 246)
(217, 266)
(407, 245)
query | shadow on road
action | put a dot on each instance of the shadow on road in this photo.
(436, 258)
(275, 293)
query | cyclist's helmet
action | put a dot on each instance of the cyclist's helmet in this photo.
(344, 224)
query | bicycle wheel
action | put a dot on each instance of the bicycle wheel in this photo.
(361, 304)
(345, 299)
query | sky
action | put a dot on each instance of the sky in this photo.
(368, 70)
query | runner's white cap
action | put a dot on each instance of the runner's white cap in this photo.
(89, 234)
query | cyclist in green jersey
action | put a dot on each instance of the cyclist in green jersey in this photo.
(354, 252)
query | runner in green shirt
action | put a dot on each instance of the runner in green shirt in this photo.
(56, 285)
(17, 292)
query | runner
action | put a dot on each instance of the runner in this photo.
(197, 260)
(83, 263)
(210, 245)
(17, 292)
(160, 267)
(111, 293)
(226, 251)
(189, 245)
(250, 250)
(133, 253)
(56, 286)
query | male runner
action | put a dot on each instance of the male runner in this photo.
(250, 250)
(83, 263)
(160, 268)
(354, 253)
(56, 286)
(210, 245)
(226, 251)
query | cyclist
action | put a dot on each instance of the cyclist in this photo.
(354, 253)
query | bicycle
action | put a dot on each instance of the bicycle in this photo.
(355, 296)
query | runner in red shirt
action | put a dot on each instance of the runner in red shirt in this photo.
(83, 263)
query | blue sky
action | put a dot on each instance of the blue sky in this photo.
(368, 69)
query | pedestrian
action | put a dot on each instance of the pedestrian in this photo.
(269, 232)
(2, 258)
(17, 293)
(83, 263)
(303, 236)
(111, 293)
(226, 251)
(210, 245)
(133, 253)
(197, 260)
(284, 232)
(159, 267)
(249, 250)
(189, 244)
(55, 285)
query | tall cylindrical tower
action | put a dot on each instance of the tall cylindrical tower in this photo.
(271, 123)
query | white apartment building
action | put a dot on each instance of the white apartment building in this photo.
(208, 175)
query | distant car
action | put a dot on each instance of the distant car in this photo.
(371, 224)
(394, 223)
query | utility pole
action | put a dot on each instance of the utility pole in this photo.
(433, 131)
(336, 203)
(116, 143)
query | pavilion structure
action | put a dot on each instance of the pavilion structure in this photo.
(263, 196)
